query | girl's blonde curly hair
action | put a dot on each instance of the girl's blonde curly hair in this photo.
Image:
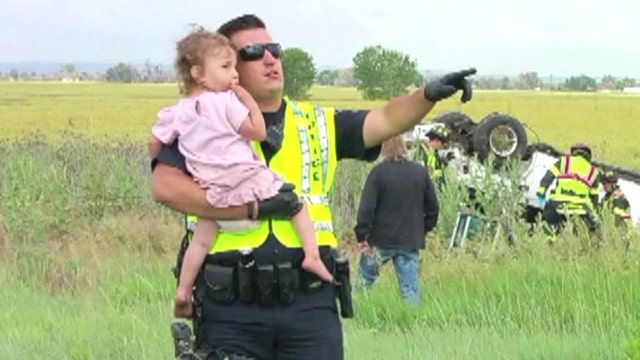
(192, 50)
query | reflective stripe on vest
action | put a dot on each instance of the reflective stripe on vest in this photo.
(575, 181)
(307, 159)
(624, 213)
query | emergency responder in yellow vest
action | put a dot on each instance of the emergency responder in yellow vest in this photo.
(251, 298)
(437, 137)
(576, 192)
(616, 202)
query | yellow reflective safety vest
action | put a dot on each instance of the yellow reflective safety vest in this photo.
(430, 160)
(576, 184)
(307, 159)
(433, 164)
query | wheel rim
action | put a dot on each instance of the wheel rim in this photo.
(503, 140)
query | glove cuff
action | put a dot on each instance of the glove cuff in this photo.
(298, 209)
(424, 92)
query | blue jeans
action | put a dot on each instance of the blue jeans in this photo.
(405, 263)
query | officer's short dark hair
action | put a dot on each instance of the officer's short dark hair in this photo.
(242, 22)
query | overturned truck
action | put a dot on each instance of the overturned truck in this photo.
(500, 137)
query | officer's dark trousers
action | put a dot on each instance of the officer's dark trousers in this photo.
(309, 328)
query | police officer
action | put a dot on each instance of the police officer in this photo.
(616, 202)
(437, 137)
(576, 192)
(287, 314)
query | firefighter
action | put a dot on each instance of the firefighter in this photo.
(576, 193)
(437, 137)
(616, 202)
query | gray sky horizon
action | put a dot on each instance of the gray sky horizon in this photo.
(567, 37)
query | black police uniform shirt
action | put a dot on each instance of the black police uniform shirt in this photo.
(349, 145)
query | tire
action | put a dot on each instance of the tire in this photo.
(515, 140)
(460, 126)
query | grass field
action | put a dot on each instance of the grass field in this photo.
(85, 254)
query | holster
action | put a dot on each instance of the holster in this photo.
(343, 286)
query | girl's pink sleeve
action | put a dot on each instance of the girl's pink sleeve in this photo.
(236, 111)
(165, 128)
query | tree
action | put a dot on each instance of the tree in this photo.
(68, 69)
(299, 72)
(608, 82)
(625, 82)
(580, 83)
(529, 80)
(122, 72)
(344, 77)
(418, 79)
(327, 77)
(383, 73)
(152, 72)
(505, 83)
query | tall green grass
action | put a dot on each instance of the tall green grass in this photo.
(86, 258)
(85, 254)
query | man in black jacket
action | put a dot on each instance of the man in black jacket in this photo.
(398, 206)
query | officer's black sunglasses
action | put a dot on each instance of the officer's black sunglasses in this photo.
(256, 51)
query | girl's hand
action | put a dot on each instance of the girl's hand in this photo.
(244, 96)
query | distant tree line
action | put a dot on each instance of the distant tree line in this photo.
(120, 72)
(377, 72)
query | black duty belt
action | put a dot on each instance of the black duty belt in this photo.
(234, 276)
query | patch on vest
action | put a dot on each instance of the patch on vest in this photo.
(306, 158)
(324, 142)
(316, 199)
(323, 226)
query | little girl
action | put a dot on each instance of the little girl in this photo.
(214, 121)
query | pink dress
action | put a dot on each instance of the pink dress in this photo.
(218, 157)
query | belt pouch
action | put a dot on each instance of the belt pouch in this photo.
(265, 283)
(220, 284)
(288, 282)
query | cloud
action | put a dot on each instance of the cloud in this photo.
(497, 36)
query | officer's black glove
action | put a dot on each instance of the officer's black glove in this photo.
(282, 206)
(447, 85)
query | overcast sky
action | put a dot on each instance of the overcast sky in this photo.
(561, 37)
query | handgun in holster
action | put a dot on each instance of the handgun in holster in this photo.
(183, 345)
(343, 285)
